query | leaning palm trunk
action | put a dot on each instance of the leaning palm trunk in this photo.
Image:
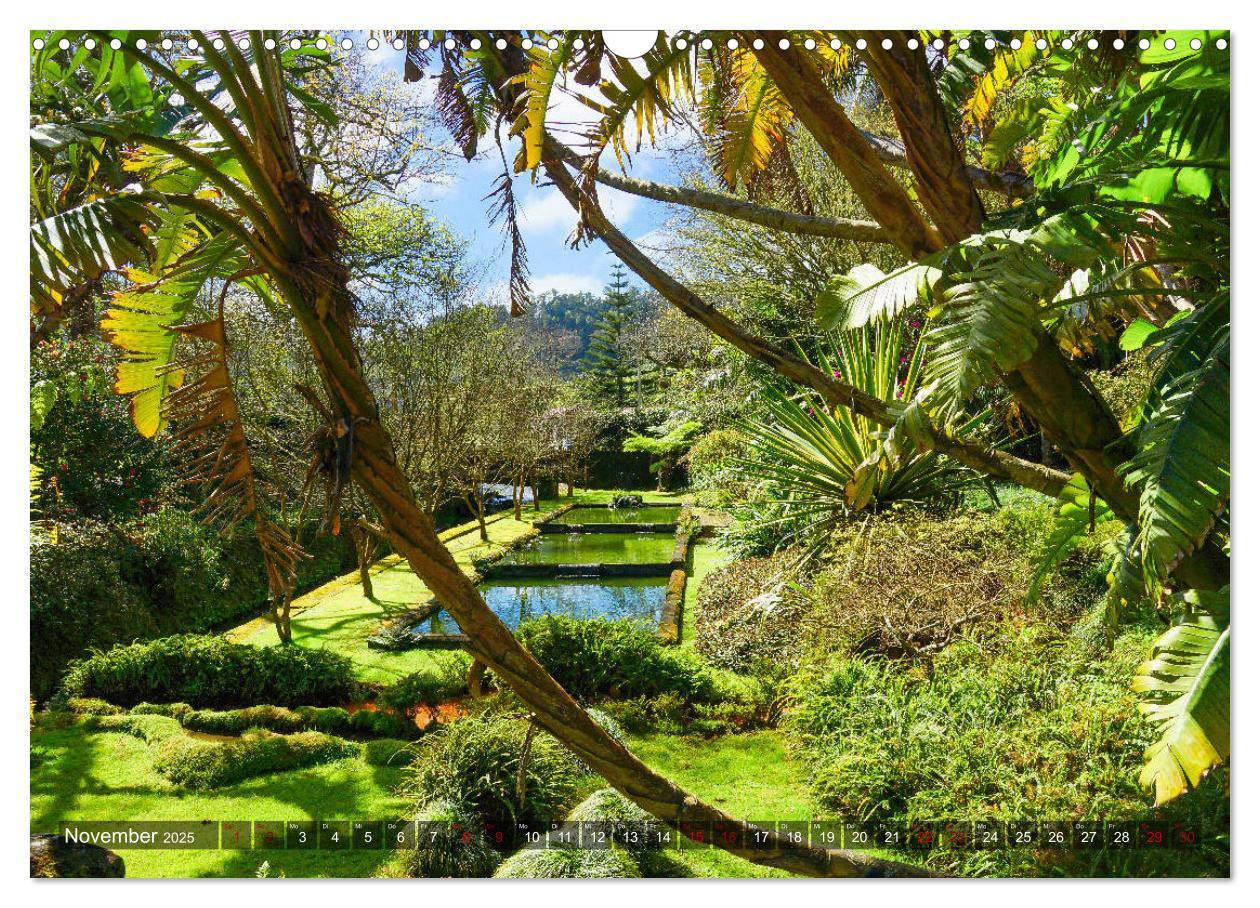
(312, 281)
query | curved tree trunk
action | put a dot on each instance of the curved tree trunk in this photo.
(1047, 386)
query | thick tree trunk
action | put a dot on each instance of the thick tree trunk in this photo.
(817, 108)
(1047, 386)
(412, 534)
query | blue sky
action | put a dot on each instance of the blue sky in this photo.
(546, 219)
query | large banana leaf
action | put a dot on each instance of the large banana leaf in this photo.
(1182, 464)
(80, 244)
(141, 320)
(1185, 689)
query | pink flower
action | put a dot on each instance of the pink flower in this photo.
(835, 373)
(904, 359)
(915, 323)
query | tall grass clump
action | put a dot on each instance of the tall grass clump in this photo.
(1021, 720)
(475, 763)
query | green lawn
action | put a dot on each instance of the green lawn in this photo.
(703, 557)
(90, 775)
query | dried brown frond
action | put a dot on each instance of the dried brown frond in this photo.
(211, 435)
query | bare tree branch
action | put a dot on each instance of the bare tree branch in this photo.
(741, 209)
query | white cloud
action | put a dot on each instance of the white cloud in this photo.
(566, 283)
(548, 210)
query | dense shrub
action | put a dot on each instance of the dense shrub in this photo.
(210, 671)
(907, 583)
(1026, 722)
(624, 658)
(451, 853)
(748, 614)
(473, 762)
(330, 719)
(192, 763)
(84, 594)
(166, 573)
(84, 440)
(427, 687)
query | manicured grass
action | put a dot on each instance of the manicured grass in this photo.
(338, 616)
(703, 557)
(91, 775)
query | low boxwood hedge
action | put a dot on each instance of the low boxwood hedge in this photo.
(329, 719)
(192, 763)
(208, 671)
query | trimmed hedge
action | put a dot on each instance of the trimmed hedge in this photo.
(329, 719)
(149, 729)
(623, 658)
(208, 671)
(191, 763)
(168, 573)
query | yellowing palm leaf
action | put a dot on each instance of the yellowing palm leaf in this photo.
(140, 324)
(1185, 689)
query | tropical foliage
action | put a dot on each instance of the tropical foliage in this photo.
(957, 306)
(819, 464)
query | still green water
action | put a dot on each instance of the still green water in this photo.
(620, 515)
(595, 548)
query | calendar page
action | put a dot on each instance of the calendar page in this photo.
(587, 454)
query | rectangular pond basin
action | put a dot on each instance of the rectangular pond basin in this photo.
(515, 601)
(646, 514)
(594, 548)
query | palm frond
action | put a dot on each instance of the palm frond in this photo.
(1077, 511)
(1182, 464)
(211, 436)
(867, 295)
(78, 245)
